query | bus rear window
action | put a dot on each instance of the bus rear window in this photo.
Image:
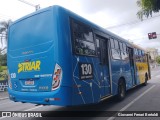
(31, 31)
(83, 42)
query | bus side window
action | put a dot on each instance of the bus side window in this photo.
(137, 56)
(135, 51)
(83, 39)
(140, 56)
(98, 47)
(124, 52)
(112, 42)
(116, 44)
(121, 47)
(116, 50)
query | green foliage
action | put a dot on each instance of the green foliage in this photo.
(3, 73)
(4, 67)
(158, 59)
(3, 60)
(0, 68)
(147, 8)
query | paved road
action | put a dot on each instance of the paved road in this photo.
(141, 98)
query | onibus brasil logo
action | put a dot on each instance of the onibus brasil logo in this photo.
(29, 66)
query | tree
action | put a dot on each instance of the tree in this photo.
(147, 8)
(158, 59)
(3, 59)
(3, 30)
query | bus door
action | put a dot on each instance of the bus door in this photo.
(102, 48)
(130, 51)
(149, 71)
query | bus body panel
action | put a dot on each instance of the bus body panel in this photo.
(142, 66)
(59, 97)
(84, 92)
(43, 50)
(121, 69)
(28, 59)
(42, 47)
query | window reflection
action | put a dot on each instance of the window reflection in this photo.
(124, 55)
(83, 39)
(116, 54)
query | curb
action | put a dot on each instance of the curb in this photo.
(4, 98)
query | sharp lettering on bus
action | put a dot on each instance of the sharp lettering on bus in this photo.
(29, 66)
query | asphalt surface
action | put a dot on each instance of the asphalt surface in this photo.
(3, 95)
(141, 98)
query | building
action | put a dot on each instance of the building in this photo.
(153, 52)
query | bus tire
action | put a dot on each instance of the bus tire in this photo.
(146, 79)
(121, 90)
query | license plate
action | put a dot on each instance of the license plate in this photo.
(29, 82)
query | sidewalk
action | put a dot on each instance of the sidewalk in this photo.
(4, 95)
(155, 68)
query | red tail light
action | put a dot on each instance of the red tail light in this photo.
(57, 76)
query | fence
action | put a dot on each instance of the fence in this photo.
(3, 85)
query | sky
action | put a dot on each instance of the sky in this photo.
(117, 16)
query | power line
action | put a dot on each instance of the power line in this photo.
(131, 23)
(27, 3)
(36, 6)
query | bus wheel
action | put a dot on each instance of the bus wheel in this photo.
(121, 90)
(146, 79)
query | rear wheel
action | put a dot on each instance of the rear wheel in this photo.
(121, 90)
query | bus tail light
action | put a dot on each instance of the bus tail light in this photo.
(57, 76)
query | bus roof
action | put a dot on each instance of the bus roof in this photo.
(71, 13)
(93, 24)
(31, 14)
(78, 17)
(138, 47)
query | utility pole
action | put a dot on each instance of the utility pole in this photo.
(37, 7)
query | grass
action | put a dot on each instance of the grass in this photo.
(3, 72)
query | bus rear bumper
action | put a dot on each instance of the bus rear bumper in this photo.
(43, 98)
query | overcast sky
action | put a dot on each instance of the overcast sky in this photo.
(116, 16)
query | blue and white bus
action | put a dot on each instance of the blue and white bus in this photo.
(56, 57)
